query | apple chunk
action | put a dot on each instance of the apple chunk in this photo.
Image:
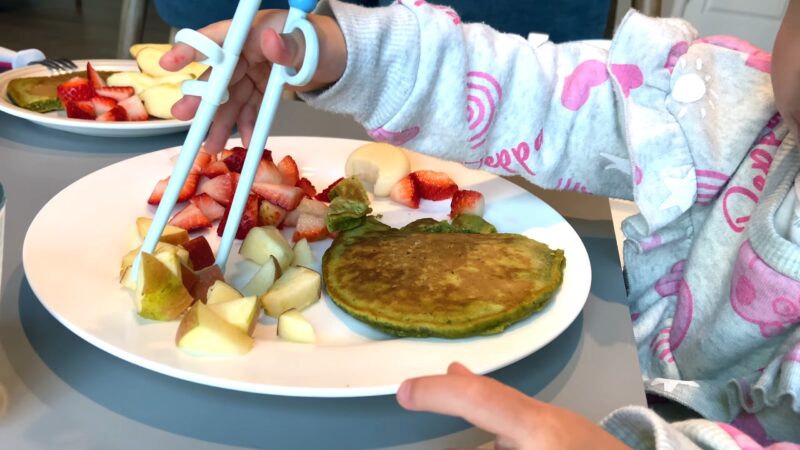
(203, 331)
(297, 288)
(292, 326)
(240, 312)
(160, 294)
(171, 235)
(263, 242)
(220, 292)
(264, 278)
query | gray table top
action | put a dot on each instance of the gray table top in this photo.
(64, 393)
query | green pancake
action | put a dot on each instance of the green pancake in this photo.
(412, 282)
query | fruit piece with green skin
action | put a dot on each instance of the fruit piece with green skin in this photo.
(203, 331)
(160, 294)
(239, 312)
(264, 278)
(293, 327)
(220, 292)
(302, 254)
(297, 288)
(127, 260)
(263, 242)
(171, 234)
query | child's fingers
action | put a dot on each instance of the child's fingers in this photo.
(227, 115)
(181, 54)
(247, 118)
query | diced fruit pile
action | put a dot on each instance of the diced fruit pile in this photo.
(279, 197)
(93, 99)
(180, 280)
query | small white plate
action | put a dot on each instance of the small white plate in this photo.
(74, 246)
(59, 121)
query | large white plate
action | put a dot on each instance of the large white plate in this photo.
(73, 249)
(59, 120)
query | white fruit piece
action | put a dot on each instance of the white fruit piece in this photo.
(136, 48)
(138, 80)
(306, 206)
(293, 327)
(160, 294)
(264, 278)
(171, 235)
(148, 59)
(302, 254)
(379, 166)
(240, 312)
(297, 288)
(263, 242)
(220, 292)
(158, 99)
(204, 332)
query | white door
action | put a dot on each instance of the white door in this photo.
(754, 20)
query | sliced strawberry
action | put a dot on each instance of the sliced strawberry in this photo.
(289, 171)
(221, 188)
(267, 155)
(306, 206)
(200, 253)
(102, 104)
(208, 206)
(248, 221)
(187, 191)
(74, 89)
(202, 160)
(115, 114)
(236, 159)
(135, 108)
(269, 214)
(323, 196)
(118, 93)
(307, 187)
(82, 109)
(215, 169)
(190, 218)
(467, 202)
(406, 192)
(287, 197)
(94, 78)
(311, 228)
(434, 185)
(267, 172)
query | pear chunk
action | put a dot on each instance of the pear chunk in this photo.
(160, 294)
(171, 235)
(297, 288)
(203, 331)
(220, 292)
(263, 242)
(158, 99)
(264, 278)
(240, 312)
(302, 254)
(293, 327)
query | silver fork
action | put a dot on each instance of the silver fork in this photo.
(56, 65)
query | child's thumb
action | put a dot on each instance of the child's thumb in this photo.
(284, 49)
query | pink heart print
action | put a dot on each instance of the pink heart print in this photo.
(592, 73)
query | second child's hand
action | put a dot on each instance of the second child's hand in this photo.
(263, 47)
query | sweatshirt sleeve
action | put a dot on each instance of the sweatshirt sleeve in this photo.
(632, 118)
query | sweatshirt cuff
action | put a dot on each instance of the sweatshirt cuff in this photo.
(382, 62)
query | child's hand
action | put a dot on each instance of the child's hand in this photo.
(519, 421)
(786, 68)
(263, 47)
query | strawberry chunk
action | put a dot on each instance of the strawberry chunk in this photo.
(82, 109)
(200, 253)
(306, 206)
(287, 197)
(467, 202)
(187, 191)
(269, 214)
(434, 185)
(248, 221)
(134, 107)
(235, 160)
(190, 218)
(290, 174)
(102, 104)
(208, 206)
(202, 160)
(94, 78)
(215, 169)
(267, 172)
(221, 188)
(115, 114)
(311, 228)
(323, 196)
(118, 93)
(73, 90)
(406, 192)
(308, 189)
